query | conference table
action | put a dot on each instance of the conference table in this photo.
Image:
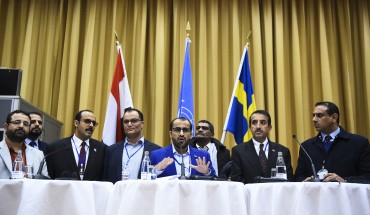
(308, 198)
(28, 196)
(175, 197)
(163, 197)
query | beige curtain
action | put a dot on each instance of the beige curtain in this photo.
(301, 52)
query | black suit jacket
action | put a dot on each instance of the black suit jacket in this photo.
(348, 157)
(42, 146)
(113, 160)
(223, 154)
(246, 164)
(64, 160)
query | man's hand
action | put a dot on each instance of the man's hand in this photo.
(164, 163)
(202, 166)
(333, 177)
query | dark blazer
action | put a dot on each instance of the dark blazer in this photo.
(348, 157)
(64, 160)
(246, 164)
(158, 155)
(113, 160)
(42, 146)
(223, 154)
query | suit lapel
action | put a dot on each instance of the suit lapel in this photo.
(5, 155)
(253, 157)
(93, 150)
(29, 157)
(69, 155)
(171, 168)
(271, 163)
(117, 157)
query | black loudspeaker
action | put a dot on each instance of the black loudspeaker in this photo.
(10, 82)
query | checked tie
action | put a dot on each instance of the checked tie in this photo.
(263, 159)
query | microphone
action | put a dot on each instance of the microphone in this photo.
(38, 174)
(182, 176)
(315, 179)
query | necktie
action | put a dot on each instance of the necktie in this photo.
(263, 159)
(327, 142)
(33, 144)
(82, 158)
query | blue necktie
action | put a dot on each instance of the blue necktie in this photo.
(327, 143)
(33, 144)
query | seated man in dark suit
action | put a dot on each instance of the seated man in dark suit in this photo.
(79, 153)
(247, 157)
(35, 132)
(196, 162)
(204, 140)
(130, 152)
(345, 156)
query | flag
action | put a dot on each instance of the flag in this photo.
(119, 100)
(242, 103)
(186, 103)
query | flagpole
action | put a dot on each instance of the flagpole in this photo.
(232, 95)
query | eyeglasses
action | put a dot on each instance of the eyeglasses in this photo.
(89, 121)
(205, 128)
(133, 121)
(34, 121)
(178, 130)
(18, 122)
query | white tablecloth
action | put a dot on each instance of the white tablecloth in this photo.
(308, 198)
(53, 197)
(177, 197)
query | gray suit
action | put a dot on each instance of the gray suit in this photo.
(33, 157)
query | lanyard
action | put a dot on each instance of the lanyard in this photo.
(130, 156)
(80, 160)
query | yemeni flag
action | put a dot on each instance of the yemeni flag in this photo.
(119, 100)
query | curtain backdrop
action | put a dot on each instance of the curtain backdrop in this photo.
(301, 52)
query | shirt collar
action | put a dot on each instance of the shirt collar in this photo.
(333, 134)
(176, 153)
(139, 142)
(28, 141)
(257, 144)
(78, 141)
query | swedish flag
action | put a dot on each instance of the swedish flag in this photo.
(242, 103)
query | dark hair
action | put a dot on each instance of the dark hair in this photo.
(35, 113)
(9, 117)
(263, 112)
(182, 119)
(79, 114)
(141, 116)
(211, 128)
(332, 108)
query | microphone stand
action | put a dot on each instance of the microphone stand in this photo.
(182, 176)
(315, 178)
(38, 174)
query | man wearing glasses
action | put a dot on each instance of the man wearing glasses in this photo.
(35, 132)
(341, 155)
(78, 154)
(126, 156)
(17, 126)
(168, 160)
(205, 141)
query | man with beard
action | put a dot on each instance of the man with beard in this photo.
(79, 153)
(17, 126)
(342, 155)
(257, 156)
(128, 154)
(35, 132)
(204, 140)
(168, 160)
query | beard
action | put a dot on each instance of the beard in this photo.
(18, 135)
(34, 134)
